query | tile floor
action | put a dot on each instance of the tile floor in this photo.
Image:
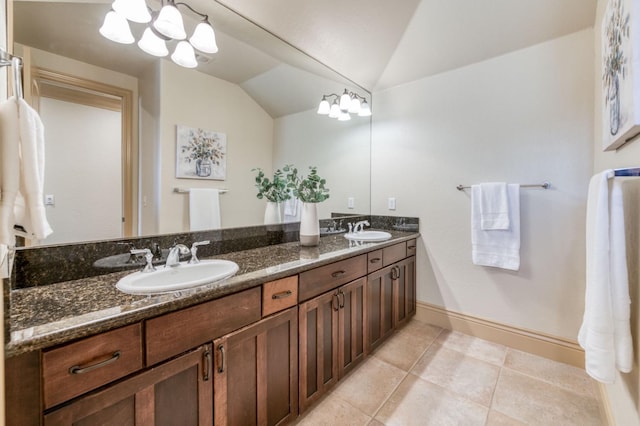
(425, 375)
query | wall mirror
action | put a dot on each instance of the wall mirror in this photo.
(259, 92)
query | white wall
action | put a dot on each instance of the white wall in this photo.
(212, 104)
(523, 117)
(341, 149)
(624, 394)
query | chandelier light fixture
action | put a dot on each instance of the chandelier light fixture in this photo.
(342, 106)
(162, 26)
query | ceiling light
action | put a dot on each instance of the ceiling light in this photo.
(116, 28)
(162, 27)
(344, 105)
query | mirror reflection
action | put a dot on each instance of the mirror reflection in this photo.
(115, 120)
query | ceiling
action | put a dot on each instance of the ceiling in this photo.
(375, 43)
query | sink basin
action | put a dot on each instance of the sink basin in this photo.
(368, 236)
(179, 277)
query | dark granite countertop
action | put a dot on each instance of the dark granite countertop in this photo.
(48, 315)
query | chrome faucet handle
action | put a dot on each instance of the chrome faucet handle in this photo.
(148, 267)
(194, 249)
(173, 258)
(350, 225)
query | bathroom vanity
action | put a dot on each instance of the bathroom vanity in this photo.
(259, 349)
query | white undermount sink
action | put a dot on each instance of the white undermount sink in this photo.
(368, 236)
(183, 276)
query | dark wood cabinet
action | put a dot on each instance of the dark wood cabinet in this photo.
(179, 391)
(332, 338)
(256, 373)
(391, 299)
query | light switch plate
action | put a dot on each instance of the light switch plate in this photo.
(392, 203)
(351, 202)
(49, 200)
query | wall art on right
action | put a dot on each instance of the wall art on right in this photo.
(620, 73)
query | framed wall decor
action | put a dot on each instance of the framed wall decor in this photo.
(620, 73)
(200, 154)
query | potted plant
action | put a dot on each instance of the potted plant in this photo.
(276, 191)
(310, 190)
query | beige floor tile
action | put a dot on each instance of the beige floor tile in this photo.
(467, 376)
(473, 346)
(369, 385)
(421, 330)
(374, 422)
(536, 402)
(333, 411)
(418, 402)
(498, 419)
(559, 374)
(404, 348)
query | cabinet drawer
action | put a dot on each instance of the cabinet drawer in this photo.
(325, 278)
(78, 367)
(278, 295)
(394, 253)
(374, 261)
(411, 247)
(177, 332)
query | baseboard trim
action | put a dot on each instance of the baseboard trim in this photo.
(548, 346)
(605, 406)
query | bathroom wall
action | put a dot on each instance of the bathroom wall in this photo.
(523, 117)
(196, 102)
(624, 394)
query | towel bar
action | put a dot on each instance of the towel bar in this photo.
(186, 190)
(544, 185)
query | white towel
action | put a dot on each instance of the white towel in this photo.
(605, 333)
(498, 248)
(292, 210)
(494, 206)
(21, 172)
(204, 209)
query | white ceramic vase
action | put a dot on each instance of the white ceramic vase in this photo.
(309, 225)
(273, 213)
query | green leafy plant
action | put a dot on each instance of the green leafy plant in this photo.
(309, 189)
(278, 189)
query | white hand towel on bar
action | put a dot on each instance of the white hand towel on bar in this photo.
(204, 209)
(605, 333)
(494, 206)
(292, 210)
(499, 248)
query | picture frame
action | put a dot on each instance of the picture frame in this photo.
(200, 154)
(620, 73)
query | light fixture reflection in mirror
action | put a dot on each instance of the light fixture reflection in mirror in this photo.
(344, 105)
(163, 26)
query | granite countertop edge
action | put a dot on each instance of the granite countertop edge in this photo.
(133, 309)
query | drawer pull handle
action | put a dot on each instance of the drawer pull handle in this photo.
(375, 260)
(76, 369)
(338, 274)
(207, 365)
(282, 295)
(411, 247)
(223, 359)
(341, 303)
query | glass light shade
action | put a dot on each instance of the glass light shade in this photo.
(324, 108)
(152, 44)
(344, 116)
(204, 39)
(345, 101)
(133, 10)
(184, 55)
(365, 110)
(116, 28)
(335, 110)
(169, 23)
(354, 106)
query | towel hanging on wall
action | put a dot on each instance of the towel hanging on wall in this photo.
(204, 209)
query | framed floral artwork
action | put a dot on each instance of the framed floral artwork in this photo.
(200, 154)
(620, 73)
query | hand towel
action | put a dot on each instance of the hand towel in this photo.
(204, 209)
(605, 331)
(9, 168)
(292, 210)
(494, 206)
(501, 247)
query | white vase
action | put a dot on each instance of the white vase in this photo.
(309, 225)
(273, 213)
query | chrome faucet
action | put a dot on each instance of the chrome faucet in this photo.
(359, 226)
(173, 258)
(148, 267)
(194, 249)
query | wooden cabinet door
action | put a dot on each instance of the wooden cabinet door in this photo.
(256, 373)
(351, 325)
(380, 306)
(318, 321)
(179, 391)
